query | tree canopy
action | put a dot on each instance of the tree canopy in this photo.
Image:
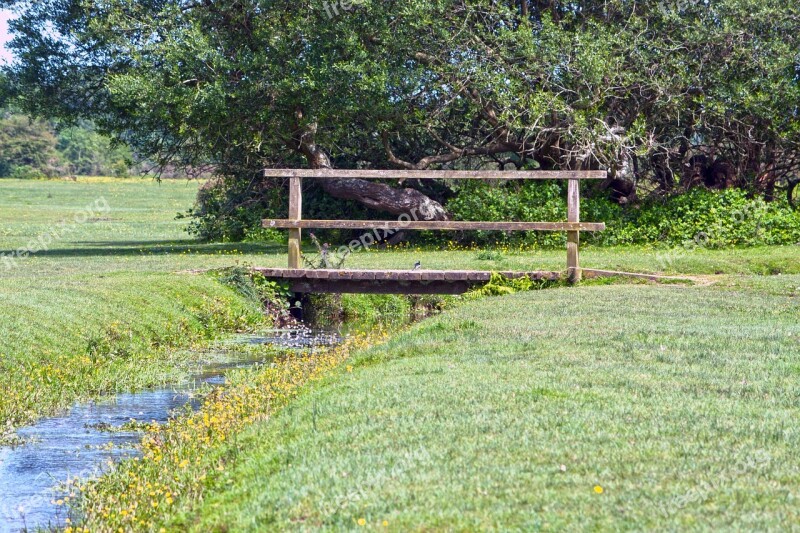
(662, 94)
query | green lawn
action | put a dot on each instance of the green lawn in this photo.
(621, 407)
(679, 402)
(115, 273)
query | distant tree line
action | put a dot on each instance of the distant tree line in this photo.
(36, 149)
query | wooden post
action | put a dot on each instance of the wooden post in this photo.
(573, 237)
(295, 213)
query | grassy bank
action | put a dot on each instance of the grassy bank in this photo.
(88, 316)
(102, 294)
(599, 407)
(69, 339)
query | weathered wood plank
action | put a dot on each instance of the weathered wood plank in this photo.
(396, 275)
(341, 274)
(320, 286)
(479, 276)
(381, 275)
(438, 174)
(435, 275)
(452, 276)
(456, 282)
(295, 213)
(573, 237)
(396, 285)
(572, 226)
(430, 282)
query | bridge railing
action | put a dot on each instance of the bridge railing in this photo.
(573, 227)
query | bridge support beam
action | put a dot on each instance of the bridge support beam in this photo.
(296, 214)
(573, 237)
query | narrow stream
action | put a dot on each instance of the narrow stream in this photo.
(78, 444)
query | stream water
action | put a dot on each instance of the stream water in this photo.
(78, 445)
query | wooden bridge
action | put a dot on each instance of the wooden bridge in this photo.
(308, 280)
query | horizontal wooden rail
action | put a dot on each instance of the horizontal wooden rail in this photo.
(439, 174)
(434, 225)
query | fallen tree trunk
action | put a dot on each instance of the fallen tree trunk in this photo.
(382, 197)
(378, 196)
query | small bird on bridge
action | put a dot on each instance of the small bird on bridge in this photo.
(417, 265)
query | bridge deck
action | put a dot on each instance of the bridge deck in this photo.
(391, 281)
(421, 281)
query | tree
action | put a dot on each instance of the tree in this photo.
(33, 148)
(27, 147)
(663, 95)
(89, 153)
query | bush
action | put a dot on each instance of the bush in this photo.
(527, 201)
(231, 209)
(711, 218)
(228, 211)
(26, 172)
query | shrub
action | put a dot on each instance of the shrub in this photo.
(26, 172)
(730, 217)
(517, 201)
(228, 209)
(712, 218)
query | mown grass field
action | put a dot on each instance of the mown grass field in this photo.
(619, 407)
(594, 407)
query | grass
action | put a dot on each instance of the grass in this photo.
(602, 407)
(140, 234)
(597, 407)
(188, 455)
(87, 316)
(768, 260)
(117, 273)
